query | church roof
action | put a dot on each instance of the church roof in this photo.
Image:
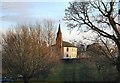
(67, 44)
(59, 30)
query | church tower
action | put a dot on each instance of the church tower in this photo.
(59, 42)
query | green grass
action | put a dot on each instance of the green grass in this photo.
(56, 74)
(82, 72)
(36, 82)
(79, 72)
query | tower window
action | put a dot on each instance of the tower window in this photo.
(67, 49)
(67, 55)
(119, 11)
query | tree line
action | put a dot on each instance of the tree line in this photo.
(98, 16)
(27, 52)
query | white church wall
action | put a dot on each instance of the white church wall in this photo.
(69, 52)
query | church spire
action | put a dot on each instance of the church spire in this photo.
(59, 30)
(59, 41)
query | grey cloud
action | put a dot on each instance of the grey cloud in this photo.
(15, 7)
(36, 0)
(16, 11)
(18, 18)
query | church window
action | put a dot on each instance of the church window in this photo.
(67, 49)
(67, 55)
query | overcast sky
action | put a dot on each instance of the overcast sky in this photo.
(14, 12)
(25, 11)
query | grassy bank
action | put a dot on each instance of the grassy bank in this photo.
(79, 71)
(85, 71)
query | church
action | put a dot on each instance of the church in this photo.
(64, 49)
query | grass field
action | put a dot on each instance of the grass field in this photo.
(82, 72)
(68, 71)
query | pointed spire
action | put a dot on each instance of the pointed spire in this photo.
(59, 30)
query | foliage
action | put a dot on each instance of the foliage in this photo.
(26, 53)
(82, 71)
(98, 16)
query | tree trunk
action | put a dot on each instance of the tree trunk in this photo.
(118, 63)
(25, 79)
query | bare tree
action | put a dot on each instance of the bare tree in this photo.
(98, 16)
(49, 27)
(26, 53)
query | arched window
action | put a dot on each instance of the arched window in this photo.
(67, 55)
(67, 49)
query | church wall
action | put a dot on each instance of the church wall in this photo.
(69, 52)
(64, 52)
